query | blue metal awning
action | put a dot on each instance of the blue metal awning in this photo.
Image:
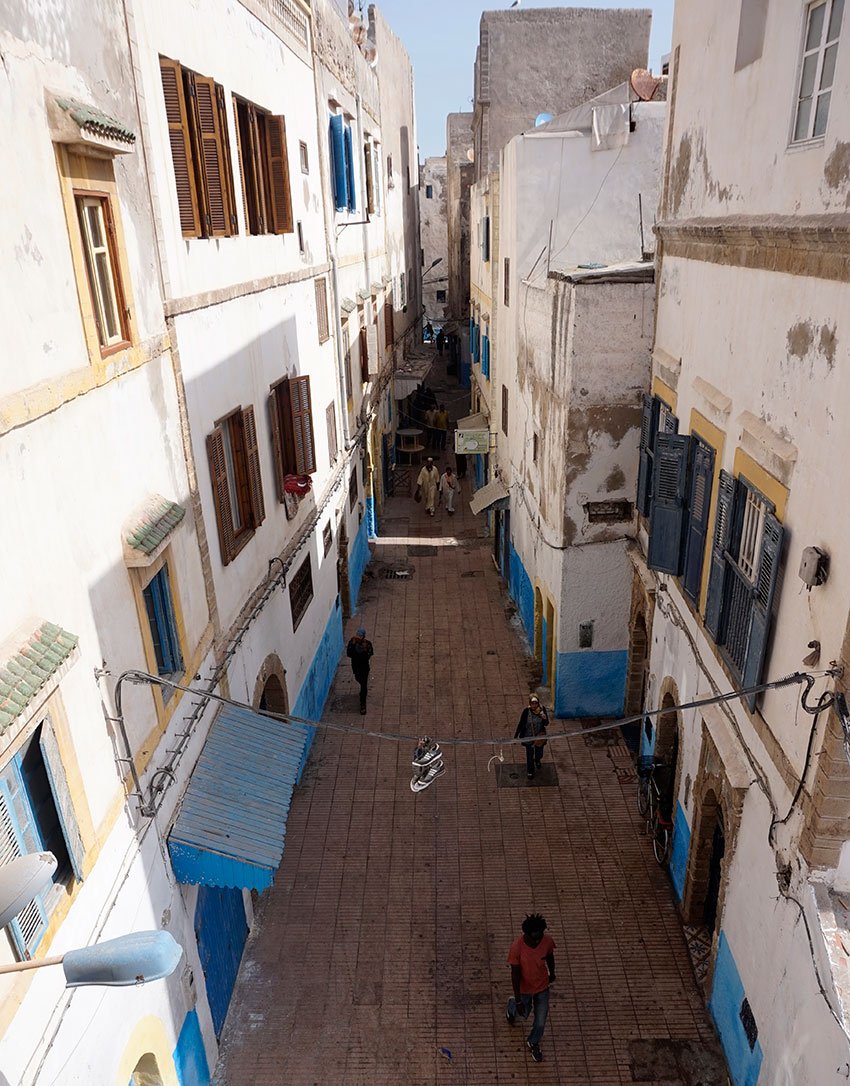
(232, 821)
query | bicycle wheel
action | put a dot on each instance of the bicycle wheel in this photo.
(643, 795)
(661, 840)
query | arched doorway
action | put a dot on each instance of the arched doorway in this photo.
(667, 751)
(538, 625)
(273, 697)
(549, 645)
(638, 666)
(146, 1072)
(705, 888)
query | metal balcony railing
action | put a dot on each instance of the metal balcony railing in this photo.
(290, 15)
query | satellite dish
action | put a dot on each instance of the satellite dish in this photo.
(644, 84)
(470, 154)
(542, 118)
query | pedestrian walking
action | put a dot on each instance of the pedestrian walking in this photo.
(448, 487)
(427, 483)
(429, 332)
(532, 962)
(431, 427)
(532, 725)
(441, 424)
(440, 340)
(359, 651)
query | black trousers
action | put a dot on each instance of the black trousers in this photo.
(533, 757)
(362, 677)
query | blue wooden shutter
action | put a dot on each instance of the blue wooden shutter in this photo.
(31, 922)
(667, 509)
(699, 505)
(722, 535)
(62, 797)
(349, 170)
(175, 655)
(338, 163)
(485, 356)
(648, 426)
(763, 593)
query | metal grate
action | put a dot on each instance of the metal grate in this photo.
(396, 574)
(423, 551)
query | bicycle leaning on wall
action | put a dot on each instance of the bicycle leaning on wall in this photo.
(652, 801)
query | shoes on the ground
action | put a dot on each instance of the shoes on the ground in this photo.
(530, 776)
(509, 1018)
(536, 1054)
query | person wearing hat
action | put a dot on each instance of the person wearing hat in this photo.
(427, 483)
(532, 726)
(359, 651)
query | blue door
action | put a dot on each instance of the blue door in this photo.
(220, 931)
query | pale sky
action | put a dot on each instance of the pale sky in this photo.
(441, 37)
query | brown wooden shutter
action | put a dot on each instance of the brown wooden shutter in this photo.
(252, 462)
(277, 443)
(321, 288)
(221, 495)
(221, 99)
(242, 178)
(370, 195)
(388, 321)
(179, 136)
(300, 450)
(278, 162)
(364, 356)
(257, 132)
(213, 165)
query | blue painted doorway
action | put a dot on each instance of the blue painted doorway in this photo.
(220, 931)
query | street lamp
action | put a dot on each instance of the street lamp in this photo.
(433, 264)
(129, 959)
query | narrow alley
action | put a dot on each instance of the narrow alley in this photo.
(379, 956)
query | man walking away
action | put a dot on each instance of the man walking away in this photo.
(440, 340)
(532, 726)
(359, 651)
(431, 428)
(441, 422)
(427, 483)
(448, 486)
(532, 962)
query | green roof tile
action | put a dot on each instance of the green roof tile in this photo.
(23, 675)
(95, 120)
(156, 520)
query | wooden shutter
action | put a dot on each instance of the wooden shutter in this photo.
(277, 444)
(364, 356)
(376, 179)
(389, 330)
(370, 194)
(221, 495)
(373, 354)
(338, 163)
(723, 521)
(221, 99)
(321, 289)
(763, 595)
(179, 136)
(667, 511)
(330, 422)
(241, 161)
(252, 467)
(699, 504)
(649, 424)
(62, 797)
(349, 170)
(31, 922)
(212, 158)
(280, 199)
(298, 445)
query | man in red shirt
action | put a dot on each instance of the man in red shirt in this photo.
(532, 963)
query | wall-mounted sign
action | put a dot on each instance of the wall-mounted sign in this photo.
(472, 441)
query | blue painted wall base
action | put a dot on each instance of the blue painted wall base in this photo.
(727, 995)
(679, 851)
(314, 690)
(190, 1057)
(590, 683)
(523, 593)
(371, 519)
(358, 560)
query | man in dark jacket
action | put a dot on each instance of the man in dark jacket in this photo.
(359, 652)
(532, 725)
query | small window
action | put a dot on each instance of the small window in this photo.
(535, 449)
(301, 591)
(817, 68)
(352, 490)
(505, 409)
(346, 355)
(389, 323)
(612, 512)
(429, 192)
(159, 605)
(305, 161)
(299, 229)
(751, 1031)
(485, 240)
(330, 419)
(390, 179)
(327, 538)
(264, 169)
(236, 482)
(321, 287)
(441, 295)
(507, 281)
(98, 236)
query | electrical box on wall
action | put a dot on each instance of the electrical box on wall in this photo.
(814, 566)
(585, 635)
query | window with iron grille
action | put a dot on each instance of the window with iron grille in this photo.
(301, 591)
(352, 490)
(817, 68)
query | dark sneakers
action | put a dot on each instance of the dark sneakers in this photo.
(509, 1018)
(536, 1054)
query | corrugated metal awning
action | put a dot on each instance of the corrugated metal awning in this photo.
(231, 825)
(488, 495)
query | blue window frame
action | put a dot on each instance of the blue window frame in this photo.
(349, 170)
(160, 610)
(485, 356)
(340, 152)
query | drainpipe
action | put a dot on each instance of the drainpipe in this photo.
(340, 357)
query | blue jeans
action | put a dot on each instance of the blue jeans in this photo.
(540, 1000)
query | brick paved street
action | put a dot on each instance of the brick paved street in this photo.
(384, 937)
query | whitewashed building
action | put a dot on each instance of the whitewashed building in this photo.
(190, 469)
(742, 521)
(433, 230)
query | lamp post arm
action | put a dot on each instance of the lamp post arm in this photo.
(19, 967)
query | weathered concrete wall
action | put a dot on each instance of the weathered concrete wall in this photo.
(546, 61)
(459, 175)
(433, 227)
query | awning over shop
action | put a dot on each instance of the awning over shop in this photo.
(488, 495)
(473, 422)
(232, 822)
(410, 375)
